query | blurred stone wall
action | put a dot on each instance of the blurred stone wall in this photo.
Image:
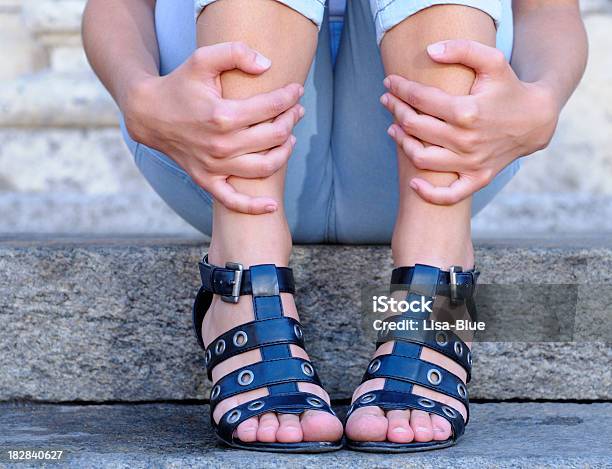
(64, 168)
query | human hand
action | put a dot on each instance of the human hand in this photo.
(477, 135)
(184, 115)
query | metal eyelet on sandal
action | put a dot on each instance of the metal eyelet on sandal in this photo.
(313, 401)
(256, 405)
(367, 398)
(220, 347)
(240, 339)
(434, 377)
(427, 403)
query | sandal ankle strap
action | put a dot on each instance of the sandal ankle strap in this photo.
(457, 284)
(233, 280)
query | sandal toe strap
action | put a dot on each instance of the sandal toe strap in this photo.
(251, 336)
(290, 403)
(263, 374)
(413, 371)
(447, 343)
(393, 400)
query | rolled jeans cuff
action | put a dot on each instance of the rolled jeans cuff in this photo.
(389, 13)
(311, 9)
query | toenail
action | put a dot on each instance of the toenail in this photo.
(400, 430)
(422, 429)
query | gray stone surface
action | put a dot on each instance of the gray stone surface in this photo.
(128, 213)
(54, 18)
(166, 436)
(142, 210)
(69, 161)
(101, 320)
(546, 213)
(50, 99)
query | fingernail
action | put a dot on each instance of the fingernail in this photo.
(414, 185)
(301, 91)
(391, 131)
(387, 82)
(436, 49)
(292, 139)
(384, 99)
(262, 61)
(270, 208)
(301, 111)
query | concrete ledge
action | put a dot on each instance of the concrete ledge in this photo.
(54, 21)
(165, 436)
(49, 99)
(55, 201)
(103, 320)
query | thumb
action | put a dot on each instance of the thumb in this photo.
(475, 55)
(218, 58)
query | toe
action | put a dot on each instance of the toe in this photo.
(367, 424)
(289, 430)
(320, 426)
(247, 430)
(399, 430)
(421, 425)
(268, 426)
(441, 428)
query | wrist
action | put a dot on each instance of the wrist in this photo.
(546, 108)
(134, 103)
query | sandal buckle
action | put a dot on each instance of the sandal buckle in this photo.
(236, 282)
(454, 293)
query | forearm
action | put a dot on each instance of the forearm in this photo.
(550, 45)
(120, 43)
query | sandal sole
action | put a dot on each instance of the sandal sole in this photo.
(303, 447)
(389, 447)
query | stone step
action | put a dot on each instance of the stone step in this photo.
(109, 319)
(504, 435)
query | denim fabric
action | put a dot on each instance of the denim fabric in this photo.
(311, 9)
(389, 13)
(342, 177)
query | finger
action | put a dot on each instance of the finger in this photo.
(266, 135)
(223, 192)
(263, 107)
(426, 128)
(259, 165)
(212, 60)
(451, 195)
(483, 59)
(430, 158)
(427, 99)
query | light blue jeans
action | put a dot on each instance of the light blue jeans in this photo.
(342, 183)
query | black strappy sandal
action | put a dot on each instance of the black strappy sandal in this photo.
(402, 368)
(272, 333)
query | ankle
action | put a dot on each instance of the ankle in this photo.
(438, 253)
(252, 244)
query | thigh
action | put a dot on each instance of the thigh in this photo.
(309, 172)
(364, 158)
